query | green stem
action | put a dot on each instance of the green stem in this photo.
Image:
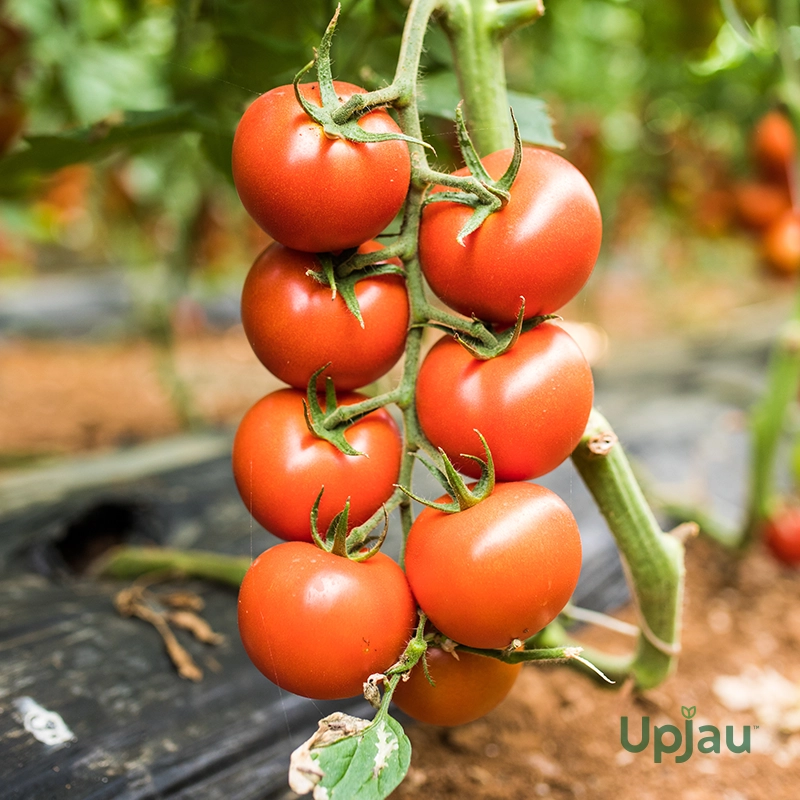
(127, 563)
(767, 420)
(477, 43)
(653, 560)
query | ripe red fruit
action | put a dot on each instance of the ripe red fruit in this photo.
(498, 571)
(295, 327)
(782, 243)
(774, 144)
(319, 624)
(280, 466)
(311, 192)
(542, 245)
(760, 204)
(467, 687)
(782, 536)
(531, 404)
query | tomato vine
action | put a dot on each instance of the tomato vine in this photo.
(653, 559)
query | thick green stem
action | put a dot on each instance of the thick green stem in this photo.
(653, 560)
(477, 43)
(127, 563)
(767, 419)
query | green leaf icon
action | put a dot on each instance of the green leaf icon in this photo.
(687, 712)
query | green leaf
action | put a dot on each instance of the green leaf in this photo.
(351, 759)
(45, 154)
(439, 96)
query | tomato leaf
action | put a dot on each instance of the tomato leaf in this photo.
(45, 154)
(439, 95)
(351, 759)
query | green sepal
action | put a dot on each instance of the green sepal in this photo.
(315, 416)
(323, 115)
(336, 541)
(505, 340)
(454, 485)
(346, 286)
(500, 189)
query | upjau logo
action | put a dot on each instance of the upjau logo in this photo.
(670, 738)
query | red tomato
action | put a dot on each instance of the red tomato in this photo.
(280, 466)
(319, 625)
(310, 192)
(498, 571)
(466, 689)
(531, 404)
(774, 143)
(295, 327)
(760, 204)
(542, 245)
(782, 536)
(782, 244)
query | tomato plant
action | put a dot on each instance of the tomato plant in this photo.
(311, 192)
(531, 404)
(781, 533)
(542, 245)
(498, 571)
(281, 303)
(280, 466)
(467, 687)
(319, 624)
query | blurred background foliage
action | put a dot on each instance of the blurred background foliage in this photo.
(658, 96)
(117, 118)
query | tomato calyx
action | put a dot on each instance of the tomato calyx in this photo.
(346, 285)
(498, 192)
(316, 417)
(414, 653)
(326, 115)
(462, 496)
(490, 343)
(335, 540)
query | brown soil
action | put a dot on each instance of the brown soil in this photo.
(557, 735)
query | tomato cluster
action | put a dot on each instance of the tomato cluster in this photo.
(489, 565)
(766, 204)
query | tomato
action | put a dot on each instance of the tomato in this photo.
(318, 624)
(542, 245)
(466, 688)
(531, 404)
(759, 204)
(310, 192)
(280, 466)
(498, 571)
(782, 536)
(774, 144)
(782, 243)
(295, 327)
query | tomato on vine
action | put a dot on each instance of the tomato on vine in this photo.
(543, 245)
(294, 325)
(311, 192)
(279, 465)
(531, 403)
(498, 571)
(467, 687)
(318, 624)
(782, 535)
